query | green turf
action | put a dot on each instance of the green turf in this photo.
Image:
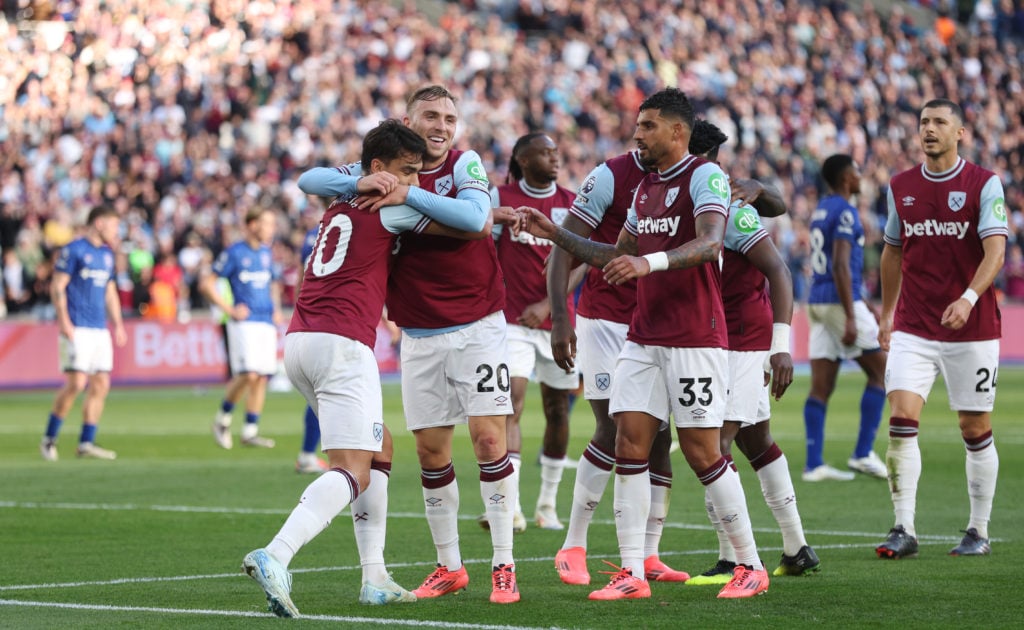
(173, 506)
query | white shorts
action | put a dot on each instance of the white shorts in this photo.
(969, 368)
(747, 401)
(529, 355)
(90, 351)
(338, 377)
(688, 383)
(598, 344)
(252, 347)
(827, 322)
(448, 377)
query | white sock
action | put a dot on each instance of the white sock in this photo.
(730, 504)
(517, 464)
(725, 550)
(661, 491)
(370, 521)
(982, 470)
(320, 503)
(442, 507)
(499, 488)
(903, 459)
(550, 476)
(591, 480)
(777, 488)
(250, 430)
(632, 505)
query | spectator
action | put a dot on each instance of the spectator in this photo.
(185, 134)
(1013, 273)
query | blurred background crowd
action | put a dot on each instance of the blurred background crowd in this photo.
(184, 114)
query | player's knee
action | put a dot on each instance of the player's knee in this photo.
(752, 441)
(631, 446)
(431, 456)
(488, 447)
(974, 424)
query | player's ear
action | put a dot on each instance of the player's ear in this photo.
(376, 165)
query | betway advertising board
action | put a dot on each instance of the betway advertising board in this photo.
(156, 354)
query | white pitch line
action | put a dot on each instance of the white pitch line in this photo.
(261, 615)
(392, 565)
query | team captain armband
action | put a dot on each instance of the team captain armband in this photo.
(971, 296)
(658, 261)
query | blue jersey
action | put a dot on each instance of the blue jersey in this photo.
(91, 268)
(308, 244)
(835, 219)
(250, 272)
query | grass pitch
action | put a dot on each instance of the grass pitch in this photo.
(155, 538)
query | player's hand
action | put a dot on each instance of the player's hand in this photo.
(849, 331)
(745, 191)
(120, 336)
(277, 318)
(957, 314)
(781, 365)
(534, 314)
(505, 215)
(374, 202)
(67, 331)
(625, 268)
(563, 343)
(377, 184)
(534, 222)
(884, 332)
(239, 312)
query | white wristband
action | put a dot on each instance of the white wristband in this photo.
(780, 338)
(970, 296)
(658, 261)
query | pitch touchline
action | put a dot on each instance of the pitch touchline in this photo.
(251, 614)
(38, 505)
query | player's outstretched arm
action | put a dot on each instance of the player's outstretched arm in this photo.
(440, 229)
(596, 254)
(469, 211)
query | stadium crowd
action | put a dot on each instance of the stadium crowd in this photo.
(184, 115)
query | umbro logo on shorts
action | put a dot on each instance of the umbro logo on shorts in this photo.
(602, 380)
(501, 400)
